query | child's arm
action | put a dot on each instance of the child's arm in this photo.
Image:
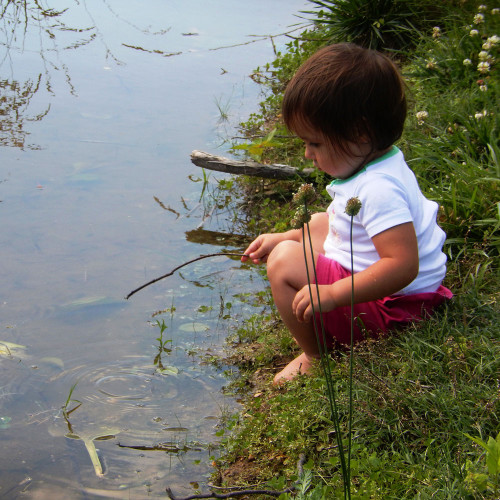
(396, 268)
(260, 248)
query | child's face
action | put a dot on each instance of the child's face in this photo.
(338, 164)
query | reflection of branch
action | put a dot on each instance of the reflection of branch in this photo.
(182, 265)
(14, 104)
(145, 31)
(155, 51)
(165, 207)
(258, 38)
(203, 236)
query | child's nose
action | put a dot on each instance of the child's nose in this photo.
(308, 154)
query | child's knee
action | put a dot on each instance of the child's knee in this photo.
(282, 259)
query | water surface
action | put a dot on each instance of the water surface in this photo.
(102, 102)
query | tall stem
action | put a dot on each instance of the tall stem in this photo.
(323, 350)
(351, 359)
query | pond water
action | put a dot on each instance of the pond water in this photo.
(101, 103)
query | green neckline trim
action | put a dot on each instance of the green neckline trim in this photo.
(394, 150)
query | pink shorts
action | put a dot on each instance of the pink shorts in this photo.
(376, 317)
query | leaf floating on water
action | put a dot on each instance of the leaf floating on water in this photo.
(98, 300)
(194, 327)
(5, 422)
(94, 457)
(88, 441)
(105, 438)
(168, 370)
(8, 348)
(51, 360)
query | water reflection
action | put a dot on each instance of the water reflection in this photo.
(14, 103)
(19, 19)
(29, 27)
(97, 127)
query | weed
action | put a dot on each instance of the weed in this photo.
(223, 108)
(65, 407)
(378, 24)
(489, 480)
(163, 349)
(256, 148)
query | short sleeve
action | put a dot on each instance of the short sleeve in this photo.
(385, 204)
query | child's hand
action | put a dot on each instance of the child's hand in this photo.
(301, 305)
(258, 251)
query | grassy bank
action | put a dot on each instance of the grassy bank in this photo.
(419, 395)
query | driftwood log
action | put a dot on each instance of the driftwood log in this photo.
(275, 171)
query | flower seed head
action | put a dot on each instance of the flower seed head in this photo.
(304, 194)
(353, 206)
(301, 217)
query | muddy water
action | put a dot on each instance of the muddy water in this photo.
(101, 104)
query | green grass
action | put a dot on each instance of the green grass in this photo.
(416, 394)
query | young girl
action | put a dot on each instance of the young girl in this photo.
(348, 105)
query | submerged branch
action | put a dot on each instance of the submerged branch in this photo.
(182, 265)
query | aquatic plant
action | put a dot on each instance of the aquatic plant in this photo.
(66, 412)
(162, 345)
(88, 439)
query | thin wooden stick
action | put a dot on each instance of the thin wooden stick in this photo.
(182, 265)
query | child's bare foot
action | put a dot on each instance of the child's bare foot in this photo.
(301, 364)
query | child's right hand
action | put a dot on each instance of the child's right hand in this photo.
(258, 251)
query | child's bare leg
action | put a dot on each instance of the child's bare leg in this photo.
(318, 229)
(287, 274)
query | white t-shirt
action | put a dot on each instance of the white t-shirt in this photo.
(390, 195)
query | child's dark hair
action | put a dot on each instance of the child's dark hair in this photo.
(347, 93)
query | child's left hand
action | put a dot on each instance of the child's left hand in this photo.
(301, 305)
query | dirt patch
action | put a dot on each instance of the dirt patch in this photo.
(243, 471)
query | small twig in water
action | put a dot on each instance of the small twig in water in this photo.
(182, 265)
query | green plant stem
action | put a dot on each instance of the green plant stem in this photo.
(351, 359)
(324, 360)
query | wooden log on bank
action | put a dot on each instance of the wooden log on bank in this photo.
(275, 171)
